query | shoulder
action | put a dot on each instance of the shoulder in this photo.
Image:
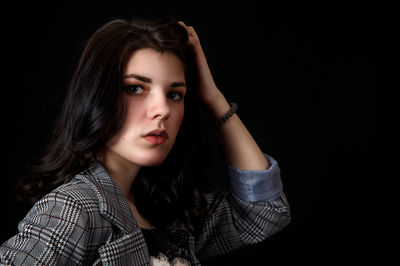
(73, 208)
(83, 194)
(75, 192)
(96, 195)
(63, 227)
(85, 190)
(73, 202)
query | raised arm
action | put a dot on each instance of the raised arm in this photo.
(256, 207)
(240, 148)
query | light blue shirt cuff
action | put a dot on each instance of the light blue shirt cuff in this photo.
(256, 185)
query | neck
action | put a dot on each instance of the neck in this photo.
(122, 170)
(124, 173)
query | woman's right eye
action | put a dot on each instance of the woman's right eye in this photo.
(134, 89)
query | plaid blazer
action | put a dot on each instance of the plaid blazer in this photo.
(87, 221)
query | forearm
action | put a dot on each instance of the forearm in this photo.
(239, 146)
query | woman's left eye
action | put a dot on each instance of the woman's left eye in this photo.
(178, 96)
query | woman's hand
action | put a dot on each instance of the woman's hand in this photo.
(206, 88)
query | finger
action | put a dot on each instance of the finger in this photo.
(182, 23)
(193, 38)
(189, 28)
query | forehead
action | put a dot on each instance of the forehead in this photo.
(151, 63)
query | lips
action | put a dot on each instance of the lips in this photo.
(157, 136)
(157, 132)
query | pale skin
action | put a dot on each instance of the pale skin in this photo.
(156, 104)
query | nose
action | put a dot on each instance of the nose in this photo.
(158, 106)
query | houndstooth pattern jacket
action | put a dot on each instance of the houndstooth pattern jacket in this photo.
(87, 221)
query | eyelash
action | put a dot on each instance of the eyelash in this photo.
(129, 88)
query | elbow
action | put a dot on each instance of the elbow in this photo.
(284, 221)
(271, 227)
(275, 221)
(280, 220)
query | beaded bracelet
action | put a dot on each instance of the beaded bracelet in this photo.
(231, 111)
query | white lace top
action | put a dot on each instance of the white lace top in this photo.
(163, 261)
(168, 246)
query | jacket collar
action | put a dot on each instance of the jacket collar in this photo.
(112, 202)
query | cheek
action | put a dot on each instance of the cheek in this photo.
(174, 124)
(179, 119)
(130, 126)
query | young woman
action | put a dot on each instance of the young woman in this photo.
(117, 184)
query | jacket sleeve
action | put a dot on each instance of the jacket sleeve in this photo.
(55, 231)
(254, 209)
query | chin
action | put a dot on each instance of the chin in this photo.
(153, 161)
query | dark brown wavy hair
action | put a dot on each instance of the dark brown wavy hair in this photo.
(94, 111)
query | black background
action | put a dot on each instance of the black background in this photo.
(304, 74)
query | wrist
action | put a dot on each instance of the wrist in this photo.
(218, 106)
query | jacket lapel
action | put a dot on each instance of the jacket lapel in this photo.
(130, 247)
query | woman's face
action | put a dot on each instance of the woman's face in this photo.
(154, 85)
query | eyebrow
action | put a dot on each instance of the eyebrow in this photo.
(148, 80)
